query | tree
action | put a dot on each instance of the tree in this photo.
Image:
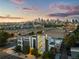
(31, 33)
(71, 38)
(12, 35)
(3, 37)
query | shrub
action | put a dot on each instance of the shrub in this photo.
(46, 55)
(35, 52)
(18, 49)
(26, 49)
(78, 56)
(3, 38)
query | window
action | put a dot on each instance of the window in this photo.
(52, 43)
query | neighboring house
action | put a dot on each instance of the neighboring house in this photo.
(54, 42)
(75, 52)
(26, 41)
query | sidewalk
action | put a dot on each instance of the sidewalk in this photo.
(30, 56)
(10, 51)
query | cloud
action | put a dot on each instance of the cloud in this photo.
(57, 15)
(70, 10)
(17, 1)
(63, 14)
(8, 17)
(64, 7)
(33, 9)
(27, 9)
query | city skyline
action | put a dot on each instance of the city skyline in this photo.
(27, 10)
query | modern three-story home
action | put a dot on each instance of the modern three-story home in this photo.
(34, 41)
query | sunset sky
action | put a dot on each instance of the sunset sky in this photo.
(27, 10)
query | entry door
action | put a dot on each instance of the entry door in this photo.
(33, 43)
